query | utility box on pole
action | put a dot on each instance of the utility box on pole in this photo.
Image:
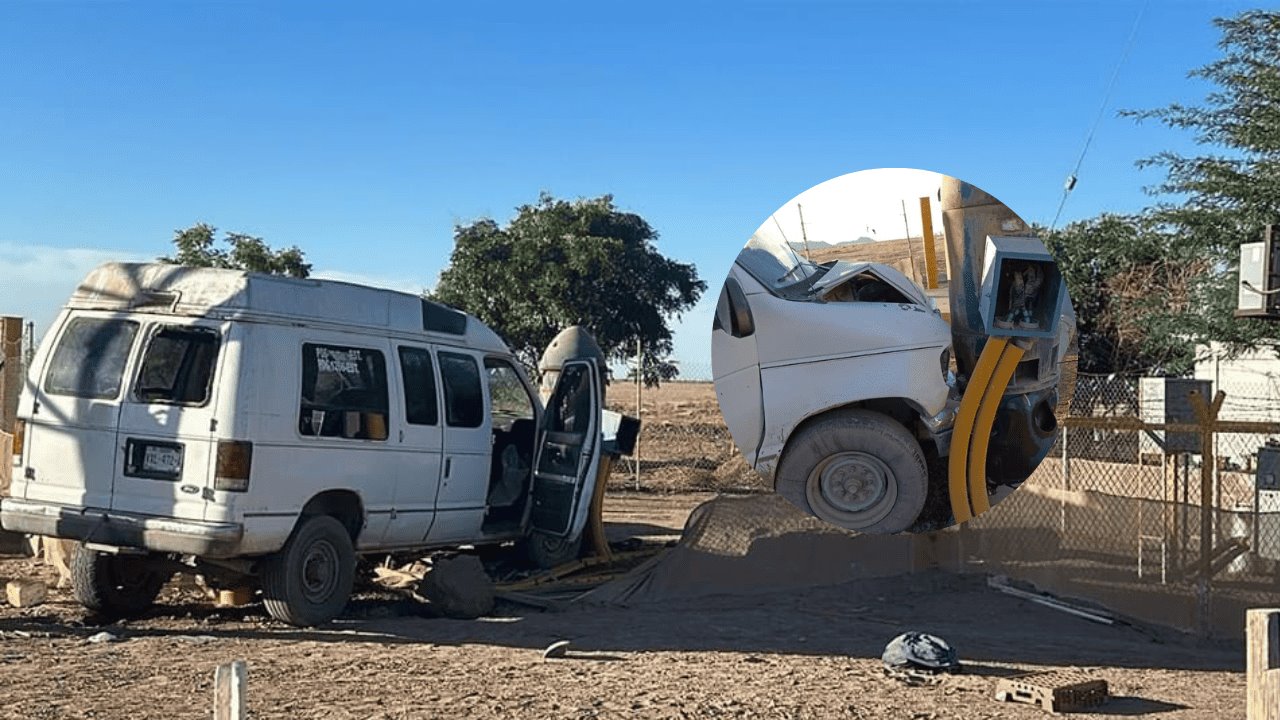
(1259, 292)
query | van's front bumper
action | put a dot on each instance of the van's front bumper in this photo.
(107, 527)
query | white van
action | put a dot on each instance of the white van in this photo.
(268, 429)
(834, 382)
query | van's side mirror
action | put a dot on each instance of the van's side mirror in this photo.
(733, 314)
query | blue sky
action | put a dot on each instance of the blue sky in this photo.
(363, 135)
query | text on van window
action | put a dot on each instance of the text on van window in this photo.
(344, 393)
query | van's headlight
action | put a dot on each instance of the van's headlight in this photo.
(235, 461)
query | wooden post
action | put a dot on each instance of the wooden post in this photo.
(1206, 417)
(230, 682)
(930, 257)
(639, 408)
(11, 373)
(1262, 663)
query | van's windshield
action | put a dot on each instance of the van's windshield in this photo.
(775, 263)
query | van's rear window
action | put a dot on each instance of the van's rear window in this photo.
(90, 358)
(178, 366)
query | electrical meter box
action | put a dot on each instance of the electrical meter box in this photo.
(1164, 400)
(1268, 501)
(1259, 291)
(1022, 289)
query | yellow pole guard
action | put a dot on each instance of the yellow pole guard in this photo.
(981, 436)
(958, 464)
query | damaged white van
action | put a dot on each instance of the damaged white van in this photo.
(834, 381)
(266, 430)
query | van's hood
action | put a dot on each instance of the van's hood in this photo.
(843, 270)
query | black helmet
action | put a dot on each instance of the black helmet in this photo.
(919, 655)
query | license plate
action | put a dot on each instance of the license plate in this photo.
(161, 460)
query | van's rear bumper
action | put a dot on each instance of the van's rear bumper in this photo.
(159, 534)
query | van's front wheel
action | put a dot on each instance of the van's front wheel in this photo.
(116, 586)
(309, 581)
(547, 551)
(857, 469)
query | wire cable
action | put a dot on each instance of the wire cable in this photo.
(1106, 98)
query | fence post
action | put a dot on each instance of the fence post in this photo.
(1066, 482)
(1262, 663)
(639, 406)
(11, 372)
(230, 682)
(1206, 416)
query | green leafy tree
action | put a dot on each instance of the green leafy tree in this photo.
(1130, 290)
(1149, 287)
(197, 246)
(560, 263)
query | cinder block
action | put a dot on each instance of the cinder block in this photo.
(25, 593)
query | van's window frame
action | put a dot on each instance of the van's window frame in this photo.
(404, 384)
(47, 383)
(511, 363)
(481, 401)
(308, 347)
(151, 336)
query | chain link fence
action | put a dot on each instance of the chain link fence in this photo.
(1142, 515)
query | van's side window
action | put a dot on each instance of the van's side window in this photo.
(90, 357)
(463, 398)
(344, 392)
(178, 366)
(508, 398)
(420, 404)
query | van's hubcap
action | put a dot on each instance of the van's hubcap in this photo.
(851, 489)
(320, 571)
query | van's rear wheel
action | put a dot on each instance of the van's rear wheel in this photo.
(115, 585)
(309, 581)
(857, 469)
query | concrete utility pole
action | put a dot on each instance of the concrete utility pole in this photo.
(969, 216)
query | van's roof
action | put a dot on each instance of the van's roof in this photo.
(237, 294)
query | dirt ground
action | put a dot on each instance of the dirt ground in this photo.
(684, 444)
(809, 654)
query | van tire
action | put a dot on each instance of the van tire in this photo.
(309, 581)
(115, 586)
(547, 551)
(857, 469)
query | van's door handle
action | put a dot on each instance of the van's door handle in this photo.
(448, 465)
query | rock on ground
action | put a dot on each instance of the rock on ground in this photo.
(458, 587)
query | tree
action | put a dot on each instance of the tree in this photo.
(196, 247)
(1130, 289)
(1149, 287)
(560, 263)
(1230, 192)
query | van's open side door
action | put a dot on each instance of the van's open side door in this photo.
(567, 455)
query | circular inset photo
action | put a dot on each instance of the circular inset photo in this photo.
(888, 350)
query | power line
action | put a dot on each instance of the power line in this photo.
(1106, 98)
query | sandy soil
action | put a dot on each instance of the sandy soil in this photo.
(684, 444)
(811, 654)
